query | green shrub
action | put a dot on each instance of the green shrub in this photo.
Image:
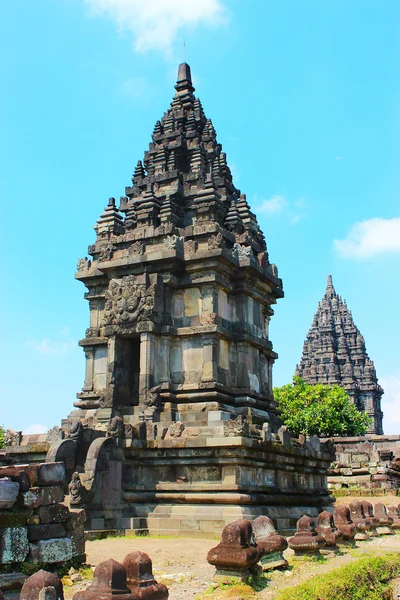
(367, 578)
(319, 409)
(2, 437)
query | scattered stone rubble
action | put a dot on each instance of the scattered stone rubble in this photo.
(369, 463)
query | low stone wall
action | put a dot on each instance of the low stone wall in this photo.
(367, 462)
(35, 526)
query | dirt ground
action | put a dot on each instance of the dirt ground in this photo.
(181, 563)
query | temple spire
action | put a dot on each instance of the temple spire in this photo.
(184, 86)
(335, 354)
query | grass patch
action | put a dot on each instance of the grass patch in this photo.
(241, 591)
(367, 578)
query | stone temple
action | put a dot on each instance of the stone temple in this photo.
(334, 353)
(175, 429)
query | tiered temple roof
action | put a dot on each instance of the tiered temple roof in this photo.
(183, 179)
(334, 353)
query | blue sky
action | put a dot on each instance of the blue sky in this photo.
(305, 97)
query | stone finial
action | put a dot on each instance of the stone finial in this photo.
(269, 543)
(284, 435)
(110, 221)
(306, 540)
(328, 530)
(385, 521)
(38, 582)
(109, 581)
(369, 513)
(233, 221)
(236, 552)
(362, 524)
(140, 579)
(393, 512)
(342, 520)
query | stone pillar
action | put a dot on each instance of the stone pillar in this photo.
(242, 366)
(163, 361)
(88, 384)
(210, 360)
(147, 362)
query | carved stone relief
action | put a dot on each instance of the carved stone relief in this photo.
(128, 302)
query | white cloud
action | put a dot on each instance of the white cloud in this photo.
(274, 205)
(391, 403)
(36, 428)
(154, 24)
(49, 347)
(370, 238)
(293, 211)
(134, 87)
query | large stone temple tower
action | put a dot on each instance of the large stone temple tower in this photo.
(178, 355)
(334, 353)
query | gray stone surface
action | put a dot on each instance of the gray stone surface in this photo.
(14, 545)
(51, 551)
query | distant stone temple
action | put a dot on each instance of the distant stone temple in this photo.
(176, 429)
(334, 353)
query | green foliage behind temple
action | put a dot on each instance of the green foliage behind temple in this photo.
(319, 409)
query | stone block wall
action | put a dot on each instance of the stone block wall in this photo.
(35, 525)
(370, 462)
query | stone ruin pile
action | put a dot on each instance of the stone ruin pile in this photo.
(370, 464)
(35, 526)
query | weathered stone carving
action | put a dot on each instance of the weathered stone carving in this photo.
(242, 252)
(175, 430)
(237, 427)
(13, 438)
(189, 246)
(215, 241)
(136, 249)
(172, 242)
(150, 398)
(75, 432)
(83, 264)
(92, 332)
(115, 428)
(128, 302)
(76, 489)
(105, 252)
(54, 434)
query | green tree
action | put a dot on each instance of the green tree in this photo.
(2, 437)
(319, 409)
